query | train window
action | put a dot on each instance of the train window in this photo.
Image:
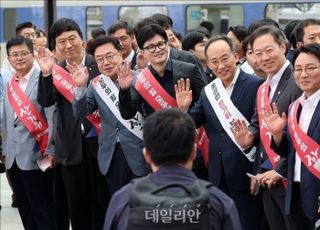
(94, 19)
(134, 14)
(222, 16)
(9, 22)
(283, 13)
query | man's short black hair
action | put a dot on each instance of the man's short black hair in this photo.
(143, 23)
(240, 32)
(169, 136)
(19, 40)
(289, 32)
(261, 22)
(220, 37)
(312, 49)
(24, 25)
(299, 29)
(163, 20)
(117, 25)
(149, 31)
(276, 33)
(191, 39)
(103, 39)
(208, 25)
(97, 32)
(63, 25)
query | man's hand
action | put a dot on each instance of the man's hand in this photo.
(46, 60)
(183, 93)
(125, 75)
(274, 122)
(242, 135)
(254, 186)
(268, 178)
(80, 75)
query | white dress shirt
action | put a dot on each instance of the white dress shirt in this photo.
(308, 108)
(231, 86)
(275, 79)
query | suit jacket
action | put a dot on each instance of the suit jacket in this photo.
(69, 138)
(111, 130)
(309, 184)
(223, 153)
(286, 92)
(131, 101)
(18, 143)
(182, 55)
(134, 60)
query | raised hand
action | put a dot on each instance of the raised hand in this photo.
(46, 60)
(80, 75)
(242, 135)
(125, 75)
(274, 122)
(183, 93)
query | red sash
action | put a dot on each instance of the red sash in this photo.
(265, 135)
(28, 114)
(65, 85)
(306, 147)
(150, 89)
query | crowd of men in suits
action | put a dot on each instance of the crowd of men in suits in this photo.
(72, 122)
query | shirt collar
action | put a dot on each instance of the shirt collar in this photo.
(276, 78)
(167, 68)
(313, 99)
(27, 76)
(130, 56)
(235, 78)
(83, 60)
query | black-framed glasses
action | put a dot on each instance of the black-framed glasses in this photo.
(109, 57)
(22, 54)
(308, 69)
(152, 48)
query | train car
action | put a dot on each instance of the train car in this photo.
(185, 14)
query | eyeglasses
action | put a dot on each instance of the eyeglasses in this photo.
(307, 69)
(30, 35)
(152, 48)
(109, 57)
(22, 54)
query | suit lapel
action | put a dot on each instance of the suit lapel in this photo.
(314, 121)
(282, 84)
(32, 82)
(238, 88)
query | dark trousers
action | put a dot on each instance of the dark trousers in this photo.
(249, 207)
(119, 172)
(300, 220)
(80, 194)
(34, 194)
(274, 208)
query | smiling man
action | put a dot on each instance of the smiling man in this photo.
(232, 94)
(153, 43)
(79, 186)
(303, 124)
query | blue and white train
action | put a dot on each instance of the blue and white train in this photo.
(185, 14)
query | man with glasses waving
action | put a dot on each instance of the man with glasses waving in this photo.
(300, 140)
(153, 43)
(120, 156)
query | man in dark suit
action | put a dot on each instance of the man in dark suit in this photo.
(169, 138)
(79, 186)
(303, 182)
(181, 55)
(152, 41)
(269, 47)
(125, 34)
(227, 165)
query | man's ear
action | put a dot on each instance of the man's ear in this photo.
(146, 156)
(299, 44)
